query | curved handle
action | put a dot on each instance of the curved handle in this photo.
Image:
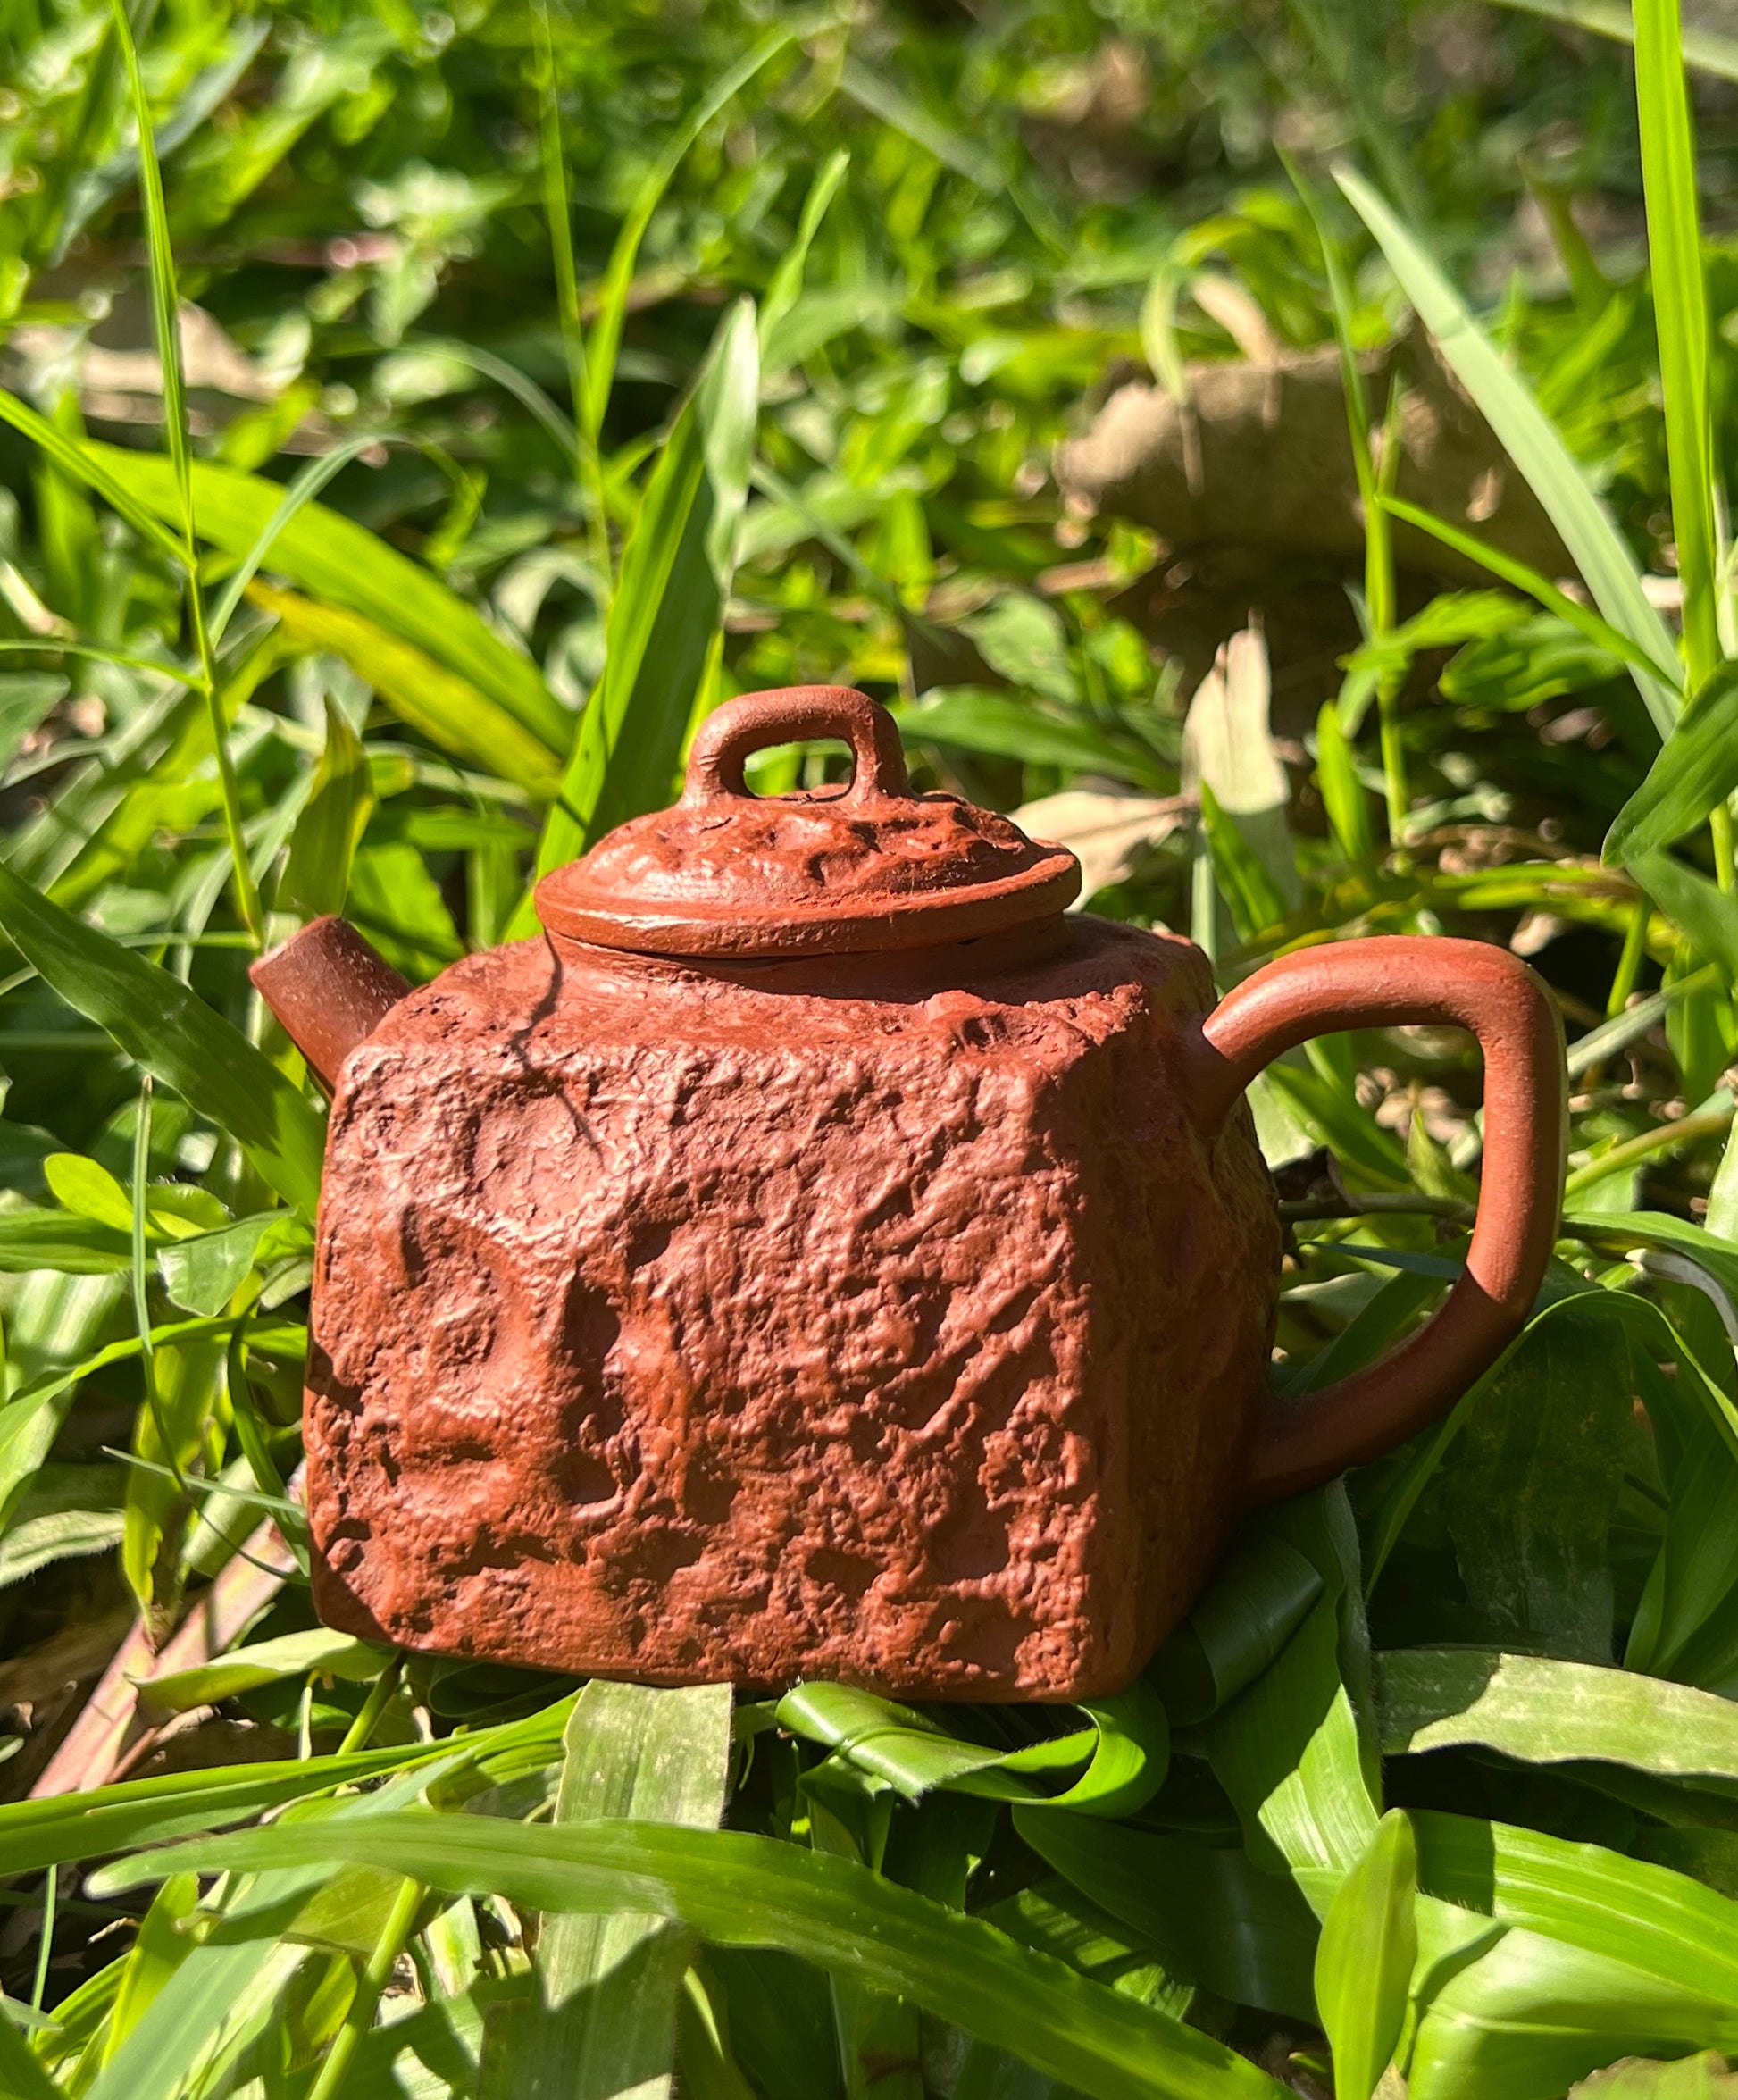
(799, 713)
(1379, 983)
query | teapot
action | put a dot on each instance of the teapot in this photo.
(819, 1253)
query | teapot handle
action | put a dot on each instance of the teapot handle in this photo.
(1378, 983)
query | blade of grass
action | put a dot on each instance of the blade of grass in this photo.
(334, 558)
(664, 617)
(73, 456)
(1705, 49)
(587, 463)
(171, 1032)
(737, 1889)
(165, 315)
(787, 282)
(1364, 1963)
(1587, 529)
(1600, 633)
(604, 344)
(1680, 315)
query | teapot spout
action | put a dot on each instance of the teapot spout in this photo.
(329, 988)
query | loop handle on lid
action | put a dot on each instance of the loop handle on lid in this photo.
(800, 713)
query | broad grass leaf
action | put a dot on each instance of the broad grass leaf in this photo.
(201, 1274)
(737, 1889)
(104, 1820)
(1291, 1750)
(1002, 725)
(1680, 317)
(61, 1240)
(344, 565)
(1545, 1711)
(1630, 1911)
(173, 1033)
(31, 1418)
(604, 2021)
(266, 1662)
(85, 462)
(160, 1947)
(1364, 1963)
(64, 1513)
(439, 703)
(228, 1989)
(169, 1432)
(1695, 772)
(1054, 1916)
(24, 2077)
(316, 877)
(1257, 902)
(1532, 1487)
(1587, 529)
(1210, 1915)
(781, 2020)
(1257, 1598)
(1703, 913)
(708, 2064)
(1114, 1767)
(664, 620)
(1512, 2015)
(1580, 1303)
(785, 290)
(603, 344)
(1344, 796)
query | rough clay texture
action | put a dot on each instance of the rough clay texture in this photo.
(685, 1325)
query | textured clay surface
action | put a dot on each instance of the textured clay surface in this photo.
(889, 1322)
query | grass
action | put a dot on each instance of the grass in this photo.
(551, 374)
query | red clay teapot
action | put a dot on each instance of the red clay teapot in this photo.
(817, 1254)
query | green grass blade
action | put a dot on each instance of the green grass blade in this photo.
(1707, 50)
(1630, 1911)
(85, 461)
(736, 1889)
(332, 557)
(665, 616)
(441, 704)
(171, 1032)
(1546, 1711)
(316, 877)
(165, 317)
(787, 282)
(1600, 633)
(1587, 529)
(1703, 913)
(1364, 1963)
(602, 346)
(1697, 769)
(1680, 310)
(587, 463)
(21, 2077)
(605, 2020)
(302, 489)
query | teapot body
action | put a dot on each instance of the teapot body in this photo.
(885, 1318)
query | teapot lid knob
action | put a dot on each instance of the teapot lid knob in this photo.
(835, 870)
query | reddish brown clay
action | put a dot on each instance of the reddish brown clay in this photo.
(900, 1315)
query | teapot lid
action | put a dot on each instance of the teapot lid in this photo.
(838, 870)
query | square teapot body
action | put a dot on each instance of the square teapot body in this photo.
(892, 1324)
